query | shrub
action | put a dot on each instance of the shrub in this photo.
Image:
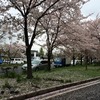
(19, 78)
(12, 75)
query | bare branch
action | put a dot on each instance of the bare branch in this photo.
(43, 14)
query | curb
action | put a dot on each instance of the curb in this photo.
(43, 91)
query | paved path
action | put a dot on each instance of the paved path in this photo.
(86, 91)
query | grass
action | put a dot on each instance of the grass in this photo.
(71, 73)
(44, 79)
(67, 74)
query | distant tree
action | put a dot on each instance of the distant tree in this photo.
(80, 40)
(41, 52)
(13, 51)
(94, 28)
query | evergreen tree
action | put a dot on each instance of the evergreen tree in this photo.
(41, 52)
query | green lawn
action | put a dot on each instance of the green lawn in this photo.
(45, 79)
(69, 74)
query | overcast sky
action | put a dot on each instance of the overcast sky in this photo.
(93, 6)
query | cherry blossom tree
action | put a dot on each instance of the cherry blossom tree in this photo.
(2, 31)
(94, 29)
(29, 14)
(79, 39)
(12, 51)
(54, 23)
(51, 25)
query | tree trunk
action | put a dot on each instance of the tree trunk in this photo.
(81, 59)
(29, 68)
(49, 57)
(86, 62)
(73, 60)
(91, 60)
(28, 50)
(86, 59)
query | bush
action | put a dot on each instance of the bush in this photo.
(19, 78)
(96, 63)
(12, 75)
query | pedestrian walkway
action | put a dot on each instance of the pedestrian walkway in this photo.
(86, 91)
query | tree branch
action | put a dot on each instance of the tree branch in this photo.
(34, 32)
(17, 6)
